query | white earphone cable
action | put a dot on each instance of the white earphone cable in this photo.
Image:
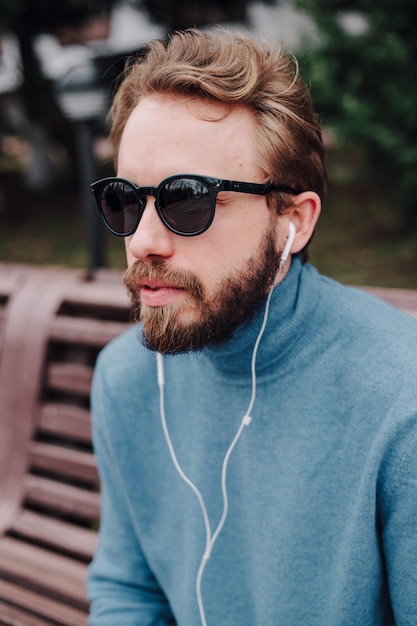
(246, 420)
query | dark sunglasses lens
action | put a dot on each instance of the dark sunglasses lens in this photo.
(119, 205)
(185, 204)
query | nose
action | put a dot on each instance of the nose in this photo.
(151, 239)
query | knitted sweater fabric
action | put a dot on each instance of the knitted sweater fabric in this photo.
(322, 485)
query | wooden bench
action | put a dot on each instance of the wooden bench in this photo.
(53, 322)
(52, 325)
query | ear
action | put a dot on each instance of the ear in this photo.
(304, 213)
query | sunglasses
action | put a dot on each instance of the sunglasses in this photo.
(185, 203)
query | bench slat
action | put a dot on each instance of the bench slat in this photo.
(13, 616)
(73, 377)
(55, 533)
(65, 421)
(108, 293)
(64, 461)
(81, 330)
(62, 498)
(26, 607)
(39, 569)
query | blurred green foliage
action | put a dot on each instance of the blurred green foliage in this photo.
(364, 85)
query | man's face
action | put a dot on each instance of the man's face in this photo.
(191, 291)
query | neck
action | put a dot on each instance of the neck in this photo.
(235, 354)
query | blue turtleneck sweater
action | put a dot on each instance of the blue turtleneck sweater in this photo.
(322, 484)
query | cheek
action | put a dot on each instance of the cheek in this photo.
(236, 238)
(130, 259)
(245, 220)
(224, 254)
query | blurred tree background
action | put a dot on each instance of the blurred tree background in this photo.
(68, 20)
(361, 71)
(363, 79)
(358, 59)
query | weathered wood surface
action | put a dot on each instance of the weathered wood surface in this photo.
(52, 325)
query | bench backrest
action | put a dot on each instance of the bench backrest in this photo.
(53, 323)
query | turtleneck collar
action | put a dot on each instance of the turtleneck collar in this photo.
(289, 325)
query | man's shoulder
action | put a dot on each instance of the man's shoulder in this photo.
(366, 308)
(371, 326)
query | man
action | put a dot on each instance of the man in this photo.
(256, 431)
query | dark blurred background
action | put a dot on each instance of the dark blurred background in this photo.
(59, 63)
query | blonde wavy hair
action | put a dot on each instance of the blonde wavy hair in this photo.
(235, 69)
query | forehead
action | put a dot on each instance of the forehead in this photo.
(168, 135)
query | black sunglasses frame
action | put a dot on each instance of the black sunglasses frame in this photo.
(213, 185)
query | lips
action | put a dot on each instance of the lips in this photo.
(155, 293)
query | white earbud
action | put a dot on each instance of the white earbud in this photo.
(288, 245)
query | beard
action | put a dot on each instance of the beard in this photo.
(210, 319)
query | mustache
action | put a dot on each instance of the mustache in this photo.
(157, 270)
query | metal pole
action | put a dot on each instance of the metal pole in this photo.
(93, 227)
